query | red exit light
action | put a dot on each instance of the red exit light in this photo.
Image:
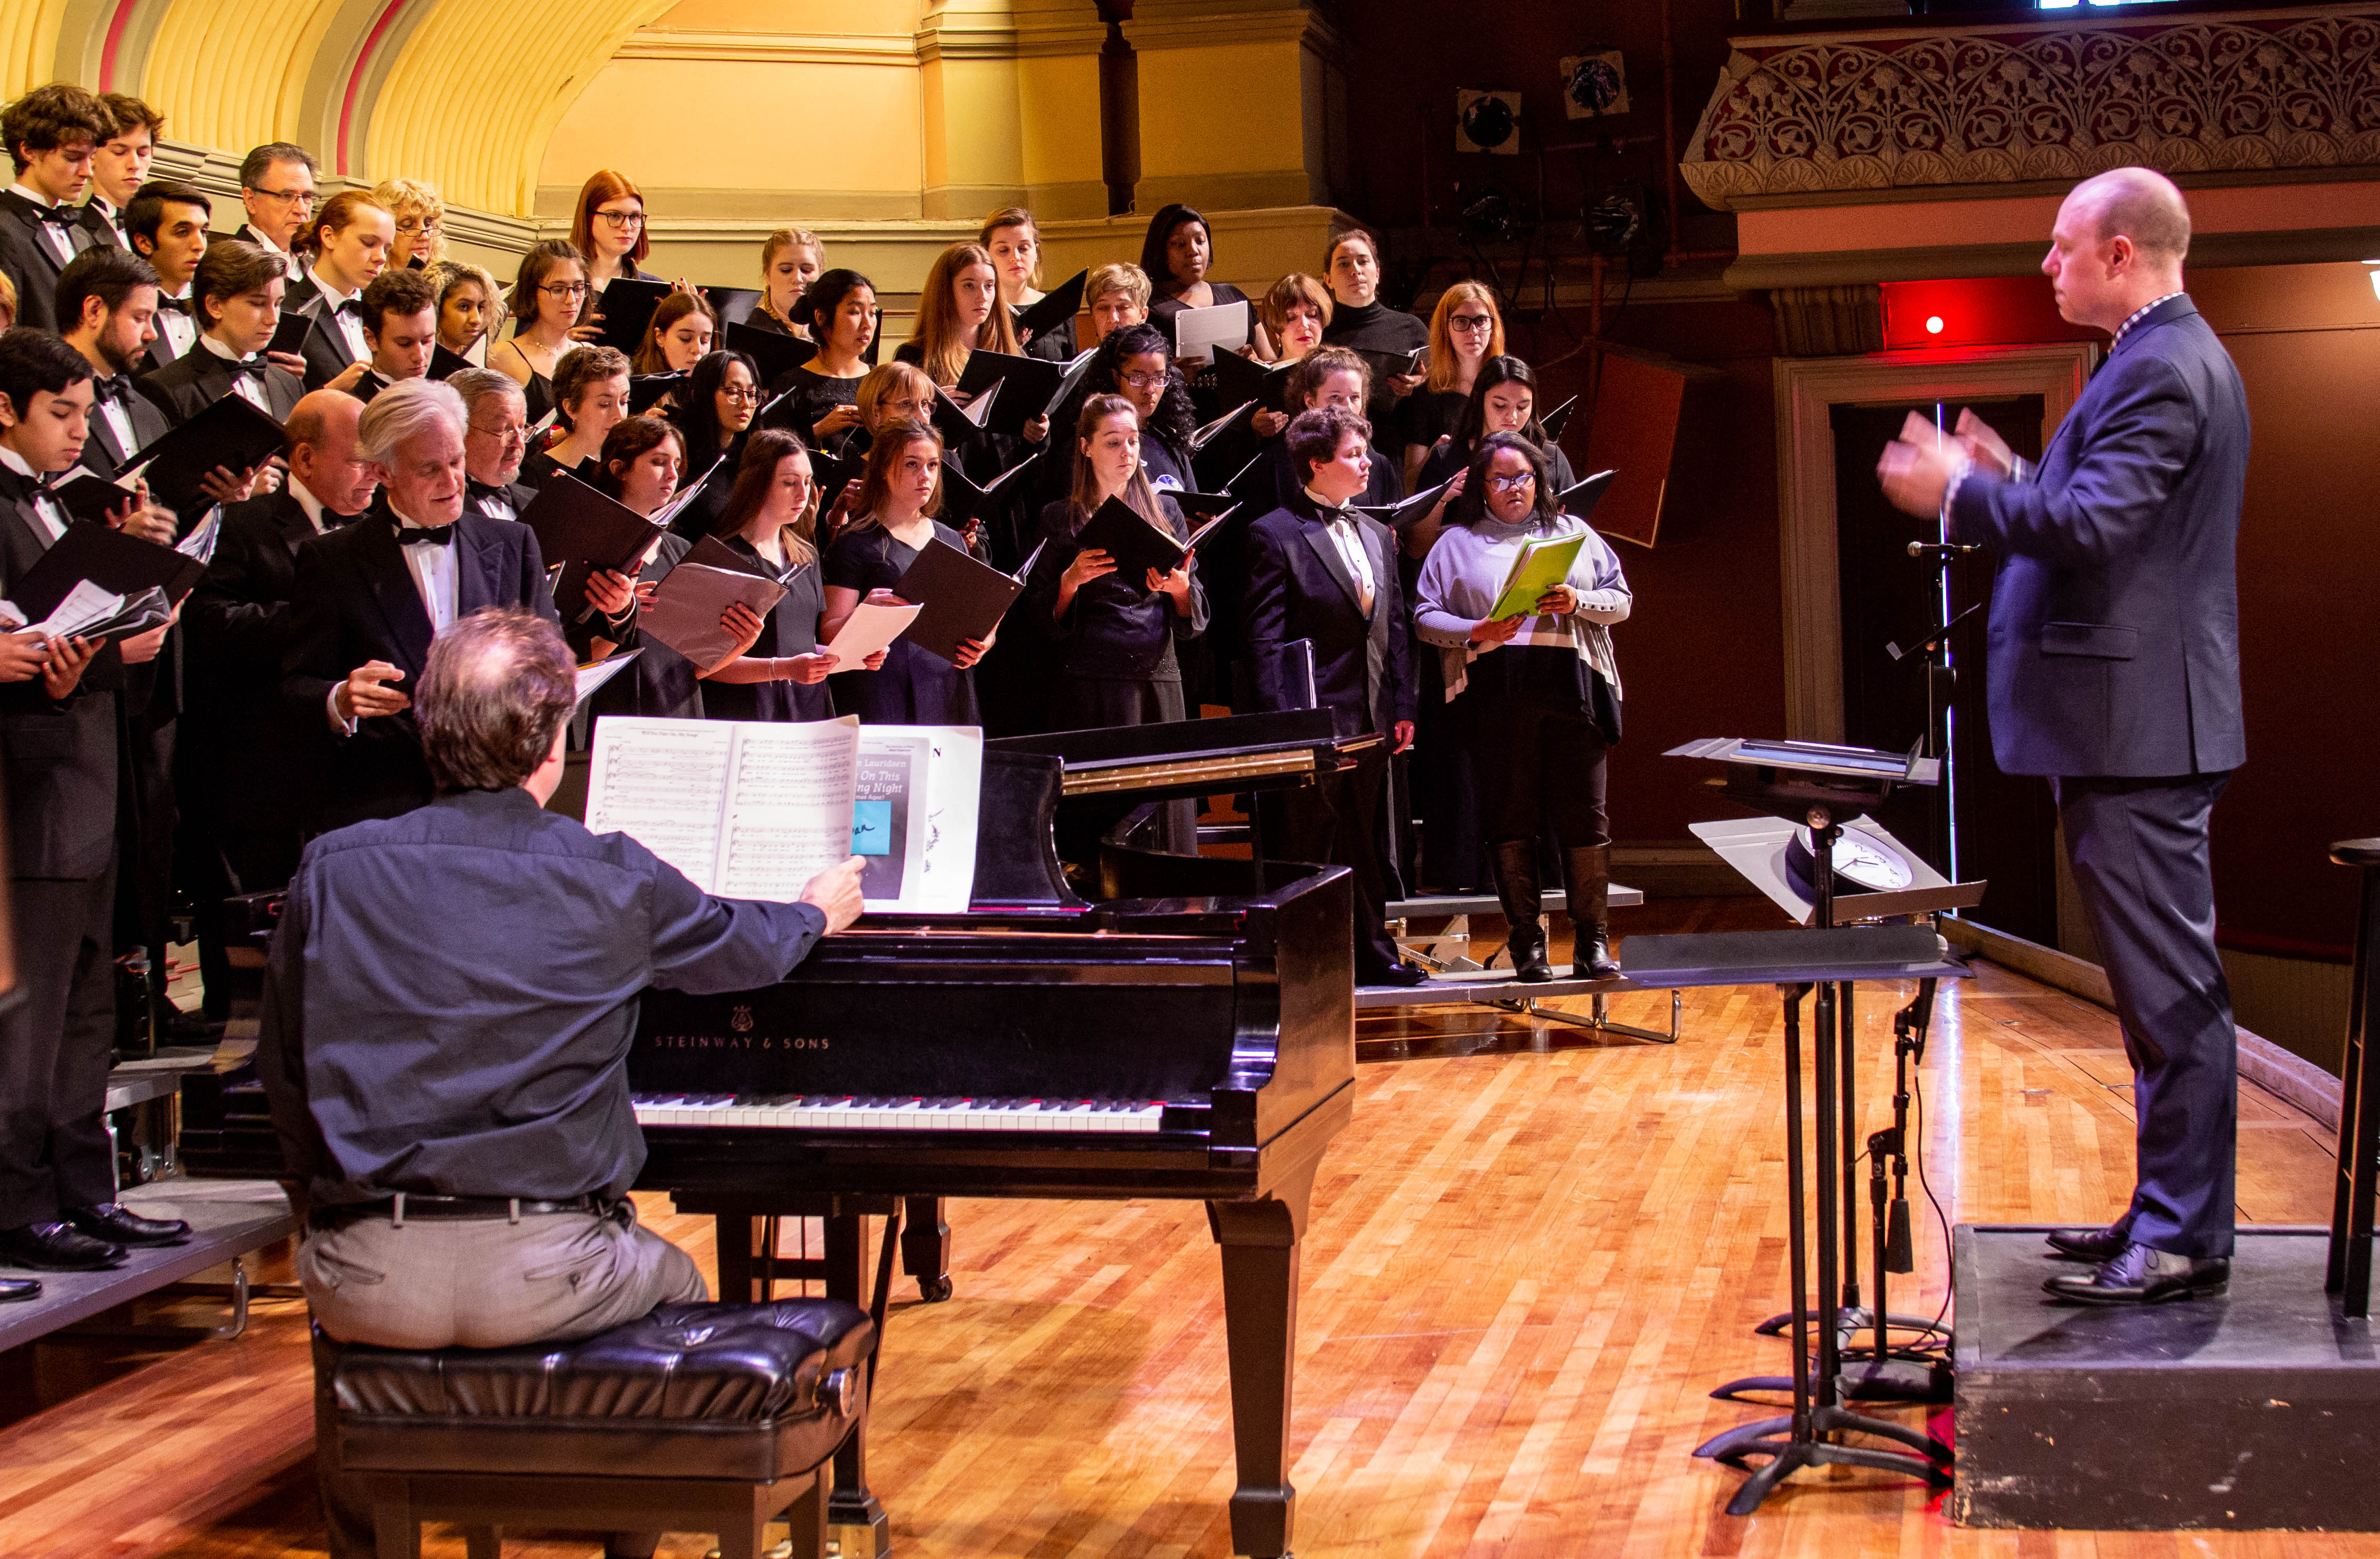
(1977, 312)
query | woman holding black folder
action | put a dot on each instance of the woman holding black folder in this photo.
(644, 458)
(546, 295)
(820, 405)
(1361, 322)
(1177, 252)
(791, 259)
(1466, 330)
(608, 228)
(720, 397)
(680, 335)
(1115, 638)
(899, 496)
(469, 310)
(592, 388)
(781, 675)
(1503, 400)
(1014, 245)
(1536, 694)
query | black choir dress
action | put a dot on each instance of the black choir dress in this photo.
(662, 682)
(791, 629)
(539, 467)
(1115, 654)
(809, 396)
(1054, 346)
(1375, 327)
(1427, 416)
(915, 687)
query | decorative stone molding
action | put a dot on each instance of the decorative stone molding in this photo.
(1877, 112)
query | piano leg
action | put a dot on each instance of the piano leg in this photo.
(860, 1527)
(1260, 1241)
(735, 1242)
(926, 1247)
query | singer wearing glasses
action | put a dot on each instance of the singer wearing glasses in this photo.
(544, 305)
(1466, 330)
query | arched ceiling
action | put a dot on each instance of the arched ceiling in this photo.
(463, 93)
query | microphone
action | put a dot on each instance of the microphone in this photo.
(1941, 549)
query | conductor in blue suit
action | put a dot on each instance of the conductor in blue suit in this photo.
(2115, 672)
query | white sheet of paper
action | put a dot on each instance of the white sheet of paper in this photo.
(200, 542)
(868, 630)
(1203, 333)
(662, 783)
(85, 604)
(788, 807)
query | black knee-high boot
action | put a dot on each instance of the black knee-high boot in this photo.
(1515, 861)
(1587, 877)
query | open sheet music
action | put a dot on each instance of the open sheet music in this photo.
(756, 809)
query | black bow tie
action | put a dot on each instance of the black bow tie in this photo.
(353, 307)
(58, 217)
(174, 306)
(424, 535)
(117, 388)
(252, 368)
(487, 492)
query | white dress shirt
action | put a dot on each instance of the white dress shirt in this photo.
(57, 240)
(243, 385)
(312, 505)
(46, 509)
(119, 426)
(1348, 537)
(349, 328)
(434, 579)
(178, 330)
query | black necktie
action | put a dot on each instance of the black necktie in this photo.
(425, 535)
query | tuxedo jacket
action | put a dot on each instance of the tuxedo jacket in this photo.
(160, 352)
(102, 454)
(2115, 617)
(260, 768)
(327, 351)
(102, 231)
(1299, 587)
(57, 758)
(353, 601)
(30, 263)
(195, 381)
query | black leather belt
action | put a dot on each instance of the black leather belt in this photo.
(402, 1209)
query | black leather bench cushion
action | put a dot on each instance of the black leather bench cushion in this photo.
(690, 1391)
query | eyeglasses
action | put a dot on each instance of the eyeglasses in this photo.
(509, 430)
(563, 289)
(302, 199)
(1472, 322)
(740, 391)
(409, 224)
(622, 218)
(1141, 381)
(1512, 483)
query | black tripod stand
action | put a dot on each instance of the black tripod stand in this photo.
(1808, 1437)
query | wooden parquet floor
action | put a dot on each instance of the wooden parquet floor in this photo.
(1530, 1259)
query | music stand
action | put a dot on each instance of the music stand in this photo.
(1825, 787)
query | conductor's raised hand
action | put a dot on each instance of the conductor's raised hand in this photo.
(1915, 476)
(1983, 446)
(835, 891)
(362, 695)
(1496, 630)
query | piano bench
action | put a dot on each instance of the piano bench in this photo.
(695, 1418)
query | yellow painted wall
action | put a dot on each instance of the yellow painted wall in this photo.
(233, 75)
(1058, 117)
(28, 43)
(1232, 108)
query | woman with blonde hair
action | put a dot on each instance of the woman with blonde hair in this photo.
(1013, 243)
(1116, 296)
(791, 259)
(420, 221)
(1466, 330)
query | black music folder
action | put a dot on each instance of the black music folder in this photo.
(963, 599)
(734, 305)
(1026, 385)
(1552, 422)
(775, 356)
(963, 501)
(645, 390)
(1054, 307)
(1388, 365)
(580, 530)
(627, 306)
(1135, 545)
(115, 561)
(93, 498)
(1580, 498)
(289, 335)
(1240, 380)
(1397, 516)
(232, 433)
(962, 425)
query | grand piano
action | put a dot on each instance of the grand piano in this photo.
(1149, 1025)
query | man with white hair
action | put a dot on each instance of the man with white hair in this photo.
(2114, 670)
(369, 597)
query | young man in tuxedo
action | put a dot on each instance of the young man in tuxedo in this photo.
(400, 327)
(120, 166)
(249, 772)
(239, 292)
(167, 224)
(370, 598)
(50, 132)
(58, 758)
(2115, 673)
(1322, 571)
(107, 308)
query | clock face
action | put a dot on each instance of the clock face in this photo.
(1868, 862)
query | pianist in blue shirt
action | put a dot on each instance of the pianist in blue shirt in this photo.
(447, 1019)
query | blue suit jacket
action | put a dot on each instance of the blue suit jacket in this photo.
(2114, 621)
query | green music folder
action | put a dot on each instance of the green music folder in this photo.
(1541, 567)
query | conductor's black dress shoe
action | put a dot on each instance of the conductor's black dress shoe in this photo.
(118, 1224)
(57, 1247)
(19, 1290)
(2141, 1274)
(2089, 1245)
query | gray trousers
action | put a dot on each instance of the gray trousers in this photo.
(2140, 853)
(470, 1283)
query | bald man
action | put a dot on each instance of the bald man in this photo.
(2115, 672)
(249, 773)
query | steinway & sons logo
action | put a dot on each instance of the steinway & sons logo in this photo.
(741, 1020)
